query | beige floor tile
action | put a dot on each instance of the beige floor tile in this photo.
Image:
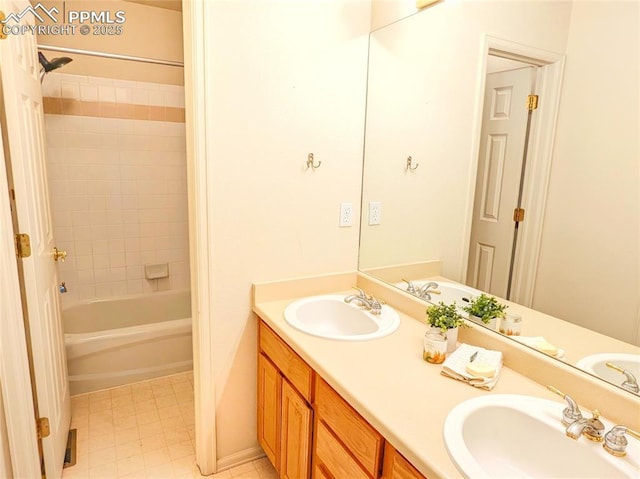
(248, 467)
(162, 390)
(164, 471)
(221, 475)
(151, 429)
(102, 457)
(148, 417)
(151, 443)
(157, 457)
(104, 471)
(120, 401)
(130, 465)
(167, 400)
(124, 422)
(99, 395)
(180, 450)
(124, 410)
(128, 449)
(176, 435)
(145, 406)
(142, 395)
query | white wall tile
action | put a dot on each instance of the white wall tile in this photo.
(89, 92)
(118, 198)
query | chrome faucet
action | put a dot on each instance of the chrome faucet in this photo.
(426, 290)
(577, 425)
(616, 443)
(367, 302)
(630, 383)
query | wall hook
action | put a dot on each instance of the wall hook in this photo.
(409, 167)
(311, 162)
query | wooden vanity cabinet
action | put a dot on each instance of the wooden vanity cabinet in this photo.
(331, 436)
(395, 466)
(285, 417)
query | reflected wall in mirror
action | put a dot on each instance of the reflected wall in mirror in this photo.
(425, 100)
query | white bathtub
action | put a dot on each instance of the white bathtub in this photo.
(123, 340)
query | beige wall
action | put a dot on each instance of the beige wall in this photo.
(287, 79)
(147, 32)
(5, 458)
(434, 59)
(591, 238)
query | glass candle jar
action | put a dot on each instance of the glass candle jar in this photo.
(435, 347)
(511, 325)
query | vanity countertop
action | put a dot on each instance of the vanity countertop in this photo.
(386, 380)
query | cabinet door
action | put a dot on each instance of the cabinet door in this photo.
(269, 390)
(295, 432)
(395, 466)
(332, 458)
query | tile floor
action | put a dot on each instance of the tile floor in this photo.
(144, 431)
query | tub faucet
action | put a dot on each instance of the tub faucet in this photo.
(367, 302)
(425, 291)
(62, 288)
(630, 383)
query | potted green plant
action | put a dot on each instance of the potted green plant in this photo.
(447, 319)
(485, 309)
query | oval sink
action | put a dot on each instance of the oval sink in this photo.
(597, 364)
(328, 316)
(513, 436)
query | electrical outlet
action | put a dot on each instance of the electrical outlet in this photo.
(375, 212)
(346, 214)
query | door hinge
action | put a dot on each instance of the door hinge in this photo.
(23, 245)
(42, 427)
(518, 215)
(532, 102)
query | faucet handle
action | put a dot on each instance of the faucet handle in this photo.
(411, 289)
(572, 412)
(615, 441)
(630, 383)
(360, 291)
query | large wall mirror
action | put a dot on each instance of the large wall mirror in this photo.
(433, 165)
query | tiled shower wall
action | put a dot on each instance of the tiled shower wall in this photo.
(117, 185)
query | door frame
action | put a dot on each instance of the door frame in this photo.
(541, 140)
(200, 193)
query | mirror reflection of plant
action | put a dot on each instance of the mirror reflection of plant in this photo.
(486, 308)
(444, 316)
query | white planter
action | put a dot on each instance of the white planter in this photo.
(491, 324)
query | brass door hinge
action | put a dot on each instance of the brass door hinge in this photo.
(518, 215)
(42, 427)
(2, 18)
(532, 102)
(23, 245)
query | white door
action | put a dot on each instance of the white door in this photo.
(502, 144)
(19, 69)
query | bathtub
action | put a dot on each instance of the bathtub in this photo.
(123, 340)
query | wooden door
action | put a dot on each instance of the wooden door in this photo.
(504, 125)
(295, 432)
(26, 143)
(269, 396)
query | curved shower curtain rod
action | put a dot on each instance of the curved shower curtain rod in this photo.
(116, 56)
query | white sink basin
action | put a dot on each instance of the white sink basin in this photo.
(513, 436)
(328, 316)
(449, 292)
(596, 364)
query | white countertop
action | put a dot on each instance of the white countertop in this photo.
(386, 380)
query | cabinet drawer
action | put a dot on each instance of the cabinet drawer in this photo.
(362, 440)
(286, 360)
(397, 467)
(332, 459)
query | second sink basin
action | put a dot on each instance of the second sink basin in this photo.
(328, 316)
(597, 364)
(514, 436)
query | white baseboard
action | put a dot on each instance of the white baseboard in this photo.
(239, 458)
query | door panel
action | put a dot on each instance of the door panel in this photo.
(25, 131)
(504, 123)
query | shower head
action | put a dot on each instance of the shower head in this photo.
(54, 64)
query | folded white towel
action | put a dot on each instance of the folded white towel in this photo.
(541, 344)
(483, 372)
